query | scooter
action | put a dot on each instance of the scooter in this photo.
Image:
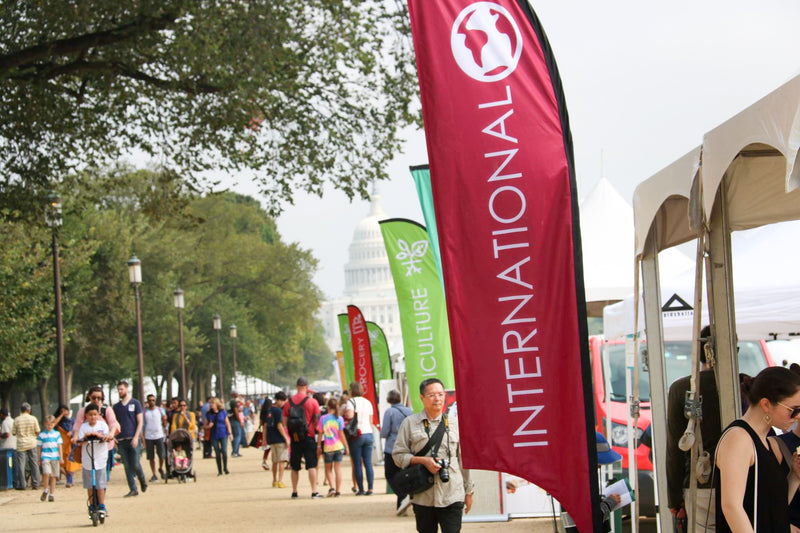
(95, 513)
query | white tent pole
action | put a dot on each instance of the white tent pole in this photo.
(722, 304)
(658, 387)
(632, 356)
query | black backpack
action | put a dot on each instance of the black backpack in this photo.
(296, 424)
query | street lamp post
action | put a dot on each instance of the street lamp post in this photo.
(177, 297)
(232, 330)
(220, 381)
(53, 219)
(135, 277)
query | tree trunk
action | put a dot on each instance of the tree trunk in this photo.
(159, 384)
(68, 384)
(170, 393)
(43, 397)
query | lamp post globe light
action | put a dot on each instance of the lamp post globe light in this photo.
(177, 298)
(232, 330)
(135, 277)
(53, 220)
(220, 380)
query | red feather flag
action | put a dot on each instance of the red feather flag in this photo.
(503, 181)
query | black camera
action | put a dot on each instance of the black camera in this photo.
(444, 473)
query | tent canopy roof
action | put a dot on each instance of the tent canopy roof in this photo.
(756, 149)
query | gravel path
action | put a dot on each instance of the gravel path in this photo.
(243, 501)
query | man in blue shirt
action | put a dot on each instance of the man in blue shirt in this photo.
(130, 418)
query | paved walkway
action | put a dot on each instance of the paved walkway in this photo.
(243, 501)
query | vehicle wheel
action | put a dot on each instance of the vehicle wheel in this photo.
(102, 519)
(95, 519)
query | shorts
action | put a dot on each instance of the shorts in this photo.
(307, 449)
(52, 467)
(279, 453)
(334, 457)
(153, 446)
(100, 478)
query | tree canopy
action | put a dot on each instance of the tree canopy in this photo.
(296, 93)
(223, 250)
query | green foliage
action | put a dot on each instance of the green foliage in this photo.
(223, 250)
(296, 93)
(26, 279)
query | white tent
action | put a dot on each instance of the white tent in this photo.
(765, 263)
(607, 238)
(744, 175)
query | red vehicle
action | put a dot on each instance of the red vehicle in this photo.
(753, 357)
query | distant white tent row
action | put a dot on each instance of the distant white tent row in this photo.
(246, 385)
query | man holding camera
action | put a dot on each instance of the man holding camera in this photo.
(444, 503)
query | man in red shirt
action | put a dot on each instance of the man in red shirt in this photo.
(301, 414)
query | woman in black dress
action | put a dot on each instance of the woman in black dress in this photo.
(752, 481)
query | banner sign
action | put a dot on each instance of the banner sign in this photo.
(378, 345)
(340, 369)
(504, 192)
(362, 358)
(347, 349)
(423, 315)
(422, 181)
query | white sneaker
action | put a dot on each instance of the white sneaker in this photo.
(404, 505)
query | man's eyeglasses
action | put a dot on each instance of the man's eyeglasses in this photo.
(435, 395)
(795, 410)
(183, 405)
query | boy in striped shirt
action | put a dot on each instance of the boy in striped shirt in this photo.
(49, 442)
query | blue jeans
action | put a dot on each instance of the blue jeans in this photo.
(361, 450)
(130, 459)
(221, 453)
(236, 428)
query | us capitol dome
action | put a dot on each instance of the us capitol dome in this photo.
(368, 283)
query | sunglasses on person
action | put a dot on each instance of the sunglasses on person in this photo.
(795, 410)
(95, 397)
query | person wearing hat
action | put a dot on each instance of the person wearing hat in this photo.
(605, 456)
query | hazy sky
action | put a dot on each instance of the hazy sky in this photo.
(643, 82)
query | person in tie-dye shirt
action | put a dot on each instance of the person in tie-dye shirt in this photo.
(332, 442)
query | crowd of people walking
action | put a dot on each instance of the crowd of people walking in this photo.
(302, 430)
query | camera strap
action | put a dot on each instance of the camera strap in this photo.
(435, 440)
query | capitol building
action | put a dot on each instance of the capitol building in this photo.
(368, 283)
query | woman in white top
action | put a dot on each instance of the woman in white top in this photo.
(361, 446)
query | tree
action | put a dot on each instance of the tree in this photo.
(295, 93)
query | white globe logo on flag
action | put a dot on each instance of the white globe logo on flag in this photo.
(486, 42)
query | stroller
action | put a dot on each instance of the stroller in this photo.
(182, 438)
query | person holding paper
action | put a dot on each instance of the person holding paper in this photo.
(614, 496)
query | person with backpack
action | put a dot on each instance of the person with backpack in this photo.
(301, 413)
